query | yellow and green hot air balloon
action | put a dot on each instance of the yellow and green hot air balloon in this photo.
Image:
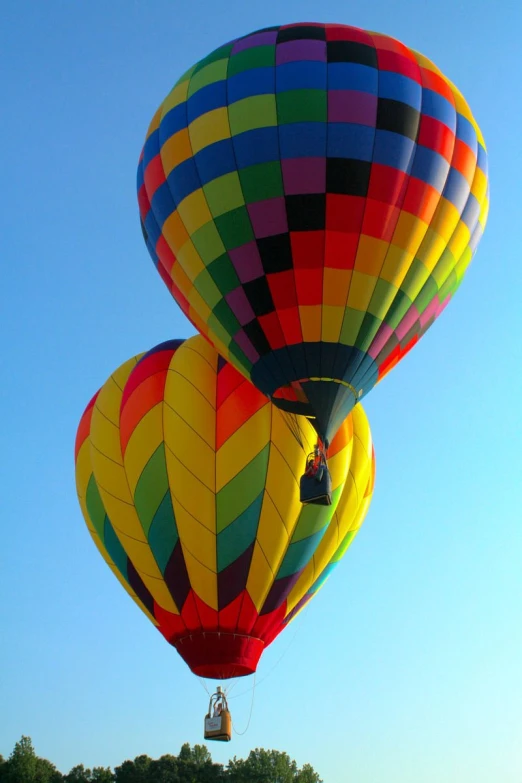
(187, 477)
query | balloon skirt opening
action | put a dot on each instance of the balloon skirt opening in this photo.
(320, 380)
(220, 656)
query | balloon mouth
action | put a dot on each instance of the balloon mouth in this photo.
(322, 381)
(220, 656)
(325, 402)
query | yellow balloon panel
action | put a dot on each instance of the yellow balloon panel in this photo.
(189, 402)
(189, 447)
(260, 577)
(242, 447)
(145, 439)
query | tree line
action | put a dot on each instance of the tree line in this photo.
(191, 765)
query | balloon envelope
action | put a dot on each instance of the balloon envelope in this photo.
(187, 477)
(312, 195)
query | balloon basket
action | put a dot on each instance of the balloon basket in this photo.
(317, 488)
(218, 720)
(219, 729)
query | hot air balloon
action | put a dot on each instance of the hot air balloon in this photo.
(312, 195)
(187, 479)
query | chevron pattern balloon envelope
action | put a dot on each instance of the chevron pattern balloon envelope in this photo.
(188, 481)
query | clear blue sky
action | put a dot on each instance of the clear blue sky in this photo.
(407, 667)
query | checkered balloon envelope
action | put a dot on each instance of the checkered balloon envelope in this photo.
(312, 195)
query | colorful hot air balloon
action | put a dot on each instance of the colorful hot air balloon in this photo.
(312, 195)
(187, 479)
